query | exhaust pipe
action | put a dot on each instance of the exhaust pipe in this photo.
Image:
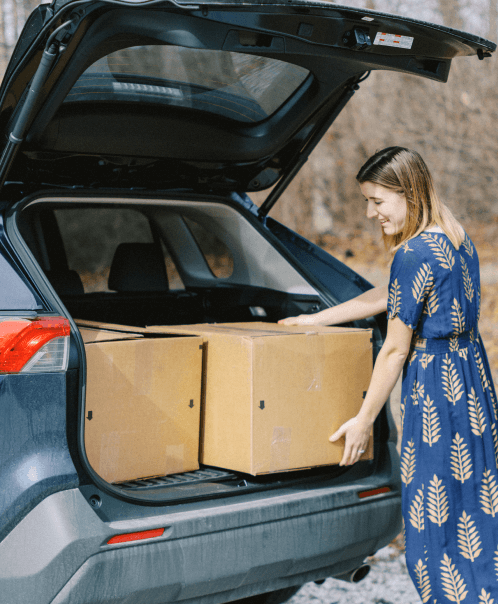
(356, 575)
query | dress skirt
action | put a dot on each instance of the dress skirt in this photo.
(449, 471)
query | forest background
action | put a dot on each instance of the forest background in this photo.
(454, 126)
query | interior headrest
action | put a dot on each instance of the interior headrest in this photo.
(138, 267)
(66, 283)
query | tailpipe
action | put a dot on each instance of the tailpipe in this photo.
(356, 575)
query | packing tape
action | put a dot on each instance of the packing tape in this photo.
(280, 449)
(315, 361)
(144, 367)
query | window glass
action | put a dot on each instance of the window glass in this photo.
(92, 235)
(243, 87)
(216, 253)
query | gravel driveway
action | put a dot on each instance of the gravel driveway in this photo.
(387, 583)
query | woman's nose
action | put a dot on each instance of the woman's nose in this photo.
(371, 210)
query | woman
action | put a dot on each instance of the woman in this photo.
(449, 449)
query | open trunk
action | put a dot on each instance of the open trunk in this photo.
(141, 279)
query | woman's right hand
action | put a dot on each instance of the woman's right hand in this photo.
(299, 320)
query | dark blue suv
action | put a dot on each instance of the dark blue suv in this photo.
(134, 131)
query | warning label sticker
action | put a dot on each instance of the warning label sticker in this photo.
(395, 40)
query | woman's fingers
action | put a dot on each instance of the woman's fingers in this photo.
(299, 320)
(356, 441)
(337, 434)
(289, 321)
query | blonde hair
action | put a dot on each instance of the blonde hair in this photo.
(405, 172)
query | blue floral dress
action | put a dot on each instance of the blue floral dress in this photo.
(449, 448)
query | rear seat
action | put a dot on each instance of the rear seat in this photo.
(141, 293)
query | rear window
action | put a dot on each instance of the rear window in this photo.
(91, 238)
(217, 255)
(242, 87)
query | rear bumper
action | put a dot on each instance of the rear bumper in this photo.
(211, 552)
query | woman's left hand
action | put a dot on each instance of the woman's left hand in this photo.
(357, 435)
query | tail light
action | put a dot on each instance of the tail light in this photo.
(126, 537)
(34, 346)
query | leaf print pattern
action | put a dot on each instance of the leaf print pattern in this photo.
(417, 510)
(493, 400)
(432, 303)
(467, 281)
(495, 442)
(417, 392)
(460, 460)
(457, 317)
(489, 494)
(485, 598)
(467, 243)
(426, 359)
(430, 423)
(496, 562)
(476, 415)
(453, 583)
(469, 542)
(463, 353)
(394, 299)
(482, 370)
(437, 502)
(408, 463)
(423, 582)
(441, 250)
(452, 384)
(422, 283)
(454, 344)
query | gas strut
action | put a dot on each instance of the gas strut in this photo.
(16, 136)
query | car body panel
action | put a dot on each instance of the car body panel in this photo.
(59, 554)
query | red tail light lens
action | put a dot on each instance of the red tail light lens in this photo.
(126, 537)
(34, 346)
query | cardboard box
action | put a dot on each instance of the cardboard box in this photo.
(273, 394)
(142, 410)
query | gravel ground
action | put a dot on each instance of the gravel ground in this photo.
(387, 582)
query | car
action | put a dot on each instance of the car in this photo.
(134, 133)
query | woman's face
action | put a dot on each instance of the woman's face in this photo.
(387, 206)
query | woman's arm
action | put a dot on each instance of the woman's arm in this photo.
(388, 366)
(368, 304)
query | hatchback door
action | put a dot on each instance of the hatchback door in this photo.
(205, 96)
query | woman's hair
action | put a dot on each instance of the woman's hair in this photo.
(405, 172)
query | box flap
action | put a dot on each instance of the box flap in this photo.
(93, 335)
(253, 330)
(109, 326)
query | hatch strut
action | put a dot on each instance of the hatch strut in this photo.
(302, 156)
(16, 136)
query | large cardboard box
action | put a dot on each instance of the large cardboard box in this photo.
(274, 394)
(142, 410)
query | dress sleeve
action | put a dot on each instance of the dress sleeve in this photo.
(410, 283)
